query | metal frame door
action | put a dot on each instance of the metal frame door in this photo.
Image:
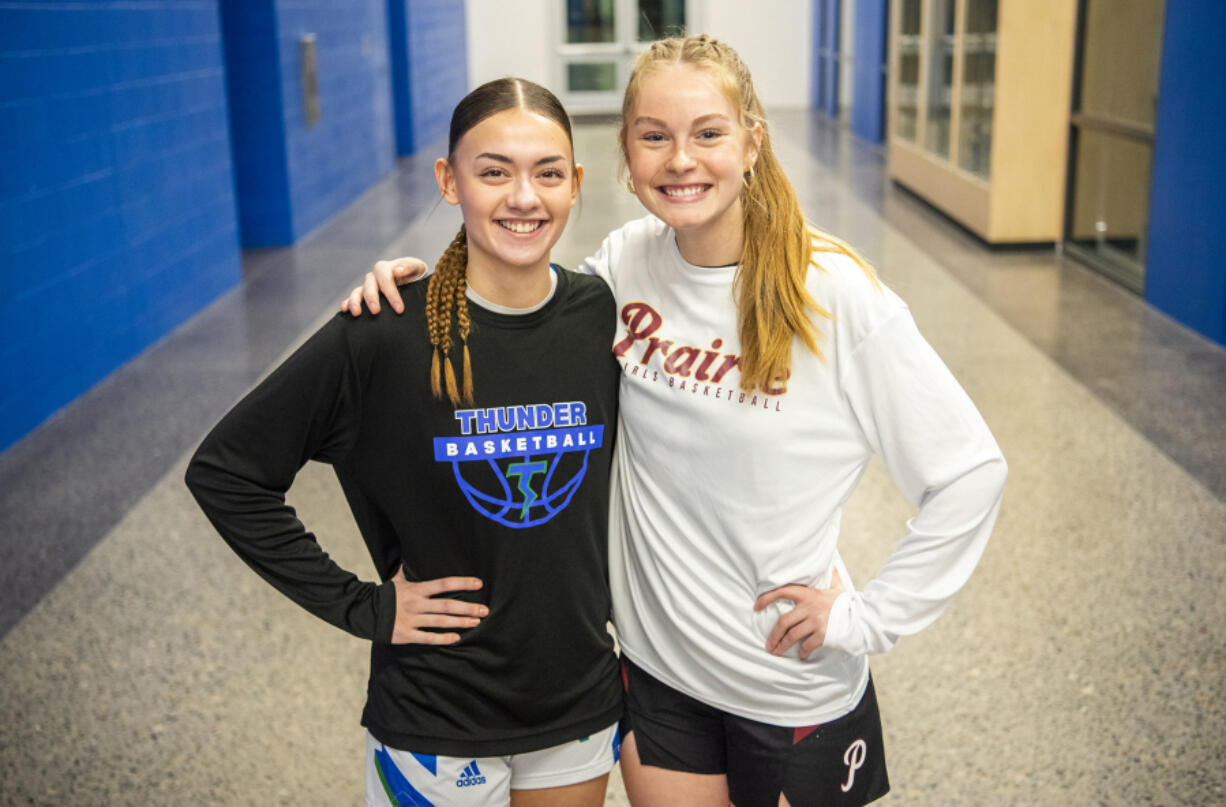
(589, 77)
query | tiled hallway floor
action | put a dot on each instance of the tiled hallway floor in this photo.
(142, 663)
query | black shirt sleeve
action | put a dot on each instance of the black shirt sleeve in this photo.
(308, 408)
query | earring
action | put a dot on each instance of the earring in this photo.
(630, 184)
(747, 177)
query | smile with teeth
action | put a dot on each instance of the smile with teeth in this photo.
(521, 226)
(683, 191)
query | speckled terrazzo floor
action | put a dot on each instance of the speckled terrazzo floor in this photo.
(1082, 665)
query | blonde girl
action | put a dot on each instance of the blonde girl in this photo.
(763, 365)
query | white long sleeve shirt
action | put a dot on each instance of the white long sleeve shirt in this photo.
(722, 495)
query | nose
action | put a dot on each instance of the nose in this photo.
(523, 194)
(680, 160)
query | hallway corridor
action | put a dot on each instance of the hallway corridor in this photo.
(142, 663)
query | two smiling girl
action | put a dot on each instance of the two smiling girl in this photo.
(744, 644)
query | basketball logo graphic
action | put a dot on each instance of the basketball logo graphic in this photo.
(520, 465)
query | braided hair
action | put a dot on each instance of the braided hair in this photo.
(446, 293)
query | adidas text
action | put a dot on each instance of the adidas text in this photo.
(471, 776)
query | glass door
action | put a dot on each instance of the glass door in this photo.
(600, 39)
(1111, 144)
(906, 107)
(940, 89)
(977, 92)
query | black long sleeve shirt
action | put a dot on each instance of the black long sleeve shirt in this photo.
(513, 490)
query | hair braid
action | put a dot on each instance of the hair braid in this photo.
(447, 289)
(461, 310)
(432, 318)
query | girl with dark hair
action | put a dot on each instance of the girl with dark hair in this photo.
(473, 440)
(763, 365)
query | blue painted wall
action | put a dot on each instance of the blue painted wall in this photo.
(257, 131)
(119, 164)
(117, 213)
(1185, 273)
(831, 27)
(351, 147)
(428, 44)
(817, 68)
(868, 77)
(290, 177)
(826, 56)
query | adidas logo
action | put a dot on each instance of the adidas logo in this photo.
(470, 776)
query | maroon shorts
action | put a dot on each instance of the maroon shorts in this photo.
(837, 763)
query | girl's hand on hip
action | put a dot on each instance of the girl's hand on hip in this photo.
(806, 623)
(417, 608)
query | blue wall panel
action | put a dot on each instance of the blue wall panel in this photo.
(291, 177)
(117, 211)
(429, 68)
(350, 148)
(257, 129)
(1185, 273)
(826, 47)
(402, 87)
(831, 28)
(868, 78)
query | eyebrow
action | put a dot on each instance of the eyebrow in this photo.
(502, 158)
(697, 121)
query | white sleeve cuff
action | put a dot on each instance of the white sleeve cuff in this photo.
(840, 627)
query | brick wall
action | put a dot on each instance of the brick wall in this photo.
(126, 127)
(116, 201)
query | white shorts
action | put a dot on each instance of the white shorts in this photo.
(403, 779)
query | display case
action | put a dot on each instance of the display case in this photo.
(906, 61)
(979, 99)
